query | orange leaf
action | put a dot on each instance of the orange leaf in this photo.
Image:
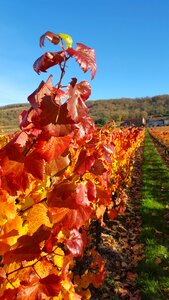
(36, 217)
(53, 147)
(132, 276)
(158, 260)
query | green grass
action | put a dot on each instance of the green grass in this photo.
(154, 269)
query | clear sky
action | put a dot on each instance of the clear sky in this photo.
(130, 37)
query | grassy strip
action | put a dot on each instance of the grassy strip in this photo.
(153, 271)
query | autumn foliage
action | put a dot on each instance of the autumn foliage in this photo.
(59, 174)
(161, 134)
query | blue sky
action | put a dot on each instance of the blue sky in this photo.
(130, 37)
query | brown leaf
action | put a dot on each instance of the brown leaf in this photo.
(132, 276)
(52, 37)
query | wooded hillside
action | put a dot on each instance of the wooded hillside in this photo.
(102, 110)
(127, 108)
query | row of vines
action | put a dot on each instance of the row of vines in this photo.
(161, 134)
(59, 176)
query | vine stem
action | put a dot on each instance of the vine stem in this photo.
(33, 265)
(59, 84)
(62, 68)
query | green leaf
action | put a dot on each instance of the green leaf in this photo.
(67, 39)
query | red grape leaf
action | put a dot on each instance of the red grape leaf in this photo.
(47, 60)
(36, 288)
(2, 274)
(29, 121)
(98, 167)
(91, 191)
(112, 214)
(44, 89)
(35, 165)
(85, 57)
(58, 95)
(53, 147)
(51, 284)
(77, 95)
(75, 243)
(10, 294)
(27, 247)
(15, 177)
(64, 117)
(69, 204)
(99, 278)
(57, 165)
(22, 253)
(85, 130)
(30, 288)
(19, 139)
(14, 151)
(52, 37)
(70, 217)
(46, 109)
(85, 193)
(104, 195)
(84, 162)
(4, 247)
(41, 234)
(29, 292)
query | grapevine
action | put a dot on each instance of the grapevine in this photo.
(58, 175)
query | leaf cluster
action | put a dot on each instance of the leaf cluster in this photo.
(58, 173)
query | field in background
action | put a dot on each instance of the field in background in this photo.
(102, 111)
(9, 114)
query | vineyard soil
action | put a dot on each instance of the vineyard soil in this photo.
(120, 246)
(124, 246)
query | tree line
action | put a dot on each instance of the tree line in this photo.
(103, 111)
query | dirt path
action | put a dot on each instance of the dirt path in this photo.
(120, 247)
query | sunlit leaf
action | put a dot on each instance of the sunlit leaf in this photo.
(52, 37)
(67, 39)
(85, 57)
(75, 243)
(47, 60)
(36, 217)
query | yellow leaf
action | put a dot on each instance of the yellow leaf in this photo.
(37, 216)
(60, 236)
(67, 39)
(7, 211)
(15, 284)
(43, 268)
(67, 284)
(59, 257)
(11, 230)
(100, 211)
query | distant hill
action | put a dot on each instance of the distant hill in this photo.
(128, 108)
(118, 110)
(9, 116)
